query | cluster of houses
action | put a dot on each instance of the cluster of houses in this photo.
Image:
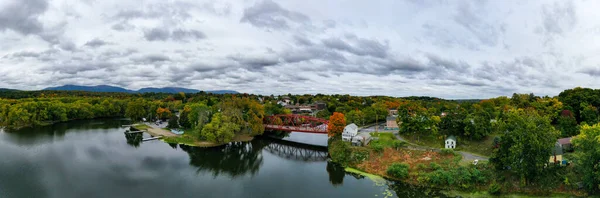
(286, 102)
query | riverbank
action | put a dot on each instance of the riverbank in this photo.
(444, 169)
(187, 140)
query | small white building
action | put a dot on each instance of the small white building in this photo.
(349, 131)
(362, 139)
(450, 142)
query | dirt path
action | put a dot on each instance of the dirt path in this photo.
(160, 132)
(157, 130)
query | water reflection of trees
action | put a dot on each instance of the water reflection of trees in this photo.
(234, 159)
(134, 139)
(336, 174)
(60, 129)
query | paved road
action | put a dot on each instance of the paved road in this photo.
(373, 128)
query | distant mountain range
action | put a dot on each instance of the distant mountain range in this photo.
(107, 88)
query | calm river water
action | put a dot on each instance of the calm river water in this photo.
(96, 159)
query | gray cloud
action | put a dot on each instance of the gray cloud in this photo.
(595, 72)
(452, 49)
(268, 14)
(157, 34)
(467, 17)
(358, 46)
(558, 18)
(96, 43)
(151, 58)
(22, 16)
(184, 35)
(181, 35)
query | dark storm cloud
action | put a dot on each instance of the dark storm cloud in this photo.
(96, 43)
(151, 58)
(181, 35)
(22, 16)
(595, 72)
(358, 46)
(558, 18)
(268, 14)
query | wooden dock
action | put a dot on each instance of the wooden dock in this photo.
(131, 132)
(152, 138)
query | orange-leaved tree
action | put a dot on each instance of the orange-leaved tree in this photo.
(337, 122)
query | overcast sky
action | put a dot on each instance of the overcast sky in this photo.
(449, 49)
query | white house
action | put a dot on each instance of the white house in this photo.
(450, 142)
(362, 139)
(349, 131)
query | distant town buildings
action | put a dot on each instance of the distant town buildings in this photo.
(391, 124)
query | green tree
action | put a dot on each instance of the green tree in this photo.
(526, 145)
(413, 118)
(477, 124)
(135, 110)
(173, 122)
(324, 114)
(589, 113)
(588, 156)
(567, 124)
(453, 123)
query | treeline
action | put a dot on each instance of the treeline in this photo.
(28, 112)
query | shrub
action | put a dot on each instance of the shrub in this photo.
(398, 170)
(434, 166)
(398, 144)
(358, 155)
(377, 146)
(421, 166)
(494, 189)
(447, 151)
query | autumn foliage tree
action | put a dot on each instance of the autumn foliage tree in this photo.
(163, 113)
(337, 122)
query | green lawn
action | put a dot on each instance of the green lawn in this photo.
(482, 147)
(141, 127)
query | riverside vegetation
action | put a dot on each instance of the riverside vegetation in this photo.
(524, 129)
(517, 132)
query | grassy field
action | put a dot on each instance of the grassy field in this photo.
(141, 126)
(482, 147)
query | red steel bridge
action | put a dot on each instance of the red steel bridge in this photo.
(296, 123)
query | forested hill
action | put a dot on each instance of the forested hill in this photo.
(107, 88)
